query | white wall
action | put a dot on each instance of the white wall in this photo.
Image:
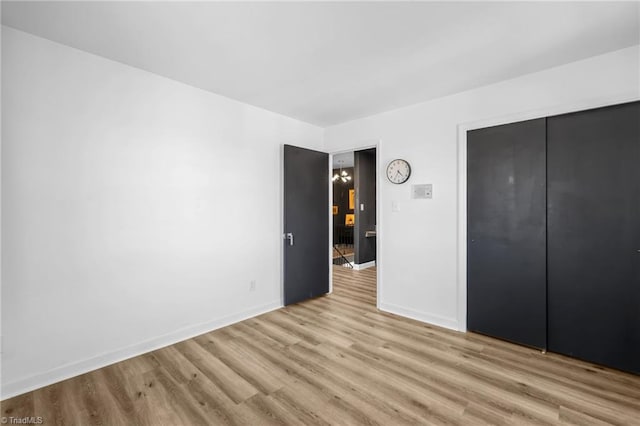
(419, 244)
(136, 210)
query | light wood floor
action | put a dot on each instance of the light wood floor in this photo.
(337, 360)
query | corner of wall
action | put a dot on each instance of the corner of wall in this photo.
(440, 321)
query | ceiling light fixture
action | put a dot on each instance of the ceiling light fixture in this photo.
(343, 175)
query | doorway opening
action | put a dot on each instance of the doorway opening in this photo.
(354, 242)
(343, 209)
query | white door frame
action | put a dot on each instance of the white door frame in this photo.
(463, 128)
(359, 147)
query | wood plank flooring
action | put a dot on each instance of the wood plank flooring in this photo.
(337, 360)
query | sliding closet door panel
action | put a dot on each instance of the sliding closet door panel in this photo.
(594, 235)
(506, 258)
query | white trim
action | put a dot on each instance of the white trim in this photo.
(73, 369)
(361, 266)
(440, 321)
(379, 232)
(463, 128)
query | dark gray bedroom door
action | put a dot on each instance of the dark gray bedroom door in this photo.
(506, 224)
(594, 235)
(306, 224)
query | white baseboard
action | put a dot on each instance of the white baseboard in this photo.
(76, 368)
(450, 323)
(360, 266)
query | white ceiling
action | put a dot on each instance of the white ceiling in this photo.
(326, 63)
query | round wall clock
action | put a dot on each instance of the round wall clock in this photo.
(398, 171)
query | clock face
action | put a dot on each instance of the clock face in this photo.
(398, 171)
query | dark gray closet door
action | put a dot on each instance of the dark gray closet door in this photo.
(506, 225)
(594, 235)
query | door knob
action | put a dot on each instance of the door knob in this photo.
(288, 236)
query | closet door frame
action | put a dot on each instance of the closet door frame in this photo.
(463, 128)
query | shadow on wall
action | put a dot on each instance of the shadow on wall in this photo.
(365, 206)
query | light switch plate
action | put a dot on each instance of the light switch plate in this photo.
(422, 192)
